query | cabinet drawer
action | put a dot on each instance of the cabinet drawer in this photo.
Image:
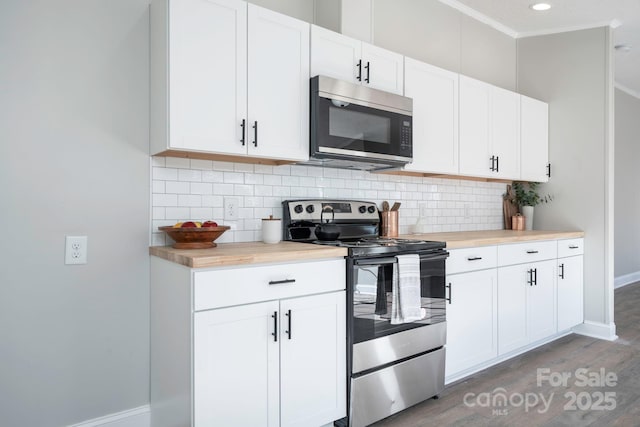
(519, 253)
(235, 286)
(470, 259)
(570, 247)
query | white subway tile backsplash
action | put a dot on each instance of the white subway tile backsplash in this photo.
(195, 189)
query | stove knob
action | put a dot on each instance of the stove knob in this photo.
(362, 209)
(371, 209)
(310, 208)
(298, 209)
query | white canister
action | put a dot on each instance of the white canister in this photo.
(271, 229)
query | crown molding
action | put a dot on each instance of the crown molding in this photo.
(614, 23)
(480, 17)
(627, 90)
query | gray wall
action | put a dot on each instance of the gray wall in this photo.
(569, 70)
(627, 206)
(73, 160)
(432, 32)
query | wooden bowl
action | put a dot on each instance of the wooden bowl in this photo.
(194, 237)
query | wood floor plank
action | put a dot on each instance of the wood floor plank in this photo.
(518, 377)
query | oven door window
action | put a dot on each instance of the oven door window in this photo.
(354, 127)
(372, 298)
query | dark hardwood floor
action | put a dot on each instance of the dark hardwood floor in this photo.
(577, 401)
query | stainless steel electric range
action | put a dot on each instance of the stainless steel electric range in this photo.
(390, 365)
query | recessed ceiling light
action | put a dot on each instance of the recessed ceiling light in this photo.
(540, 6)
(623, 47)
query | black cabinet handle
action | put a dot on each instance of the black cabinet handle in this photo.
(532, 252)
(449, 287)
(549, 170)
(255, 133)
(359, 78)
(280, 282)
(275, 326)
(368, 68)
(243, 126)
(530, 279)
(475, 258)
(535, 276)
(573, 247)
(493, 162)
(562, 271)
(288, 331)
(497, 163)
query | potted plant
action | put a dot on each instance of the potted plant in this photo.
(527, 197)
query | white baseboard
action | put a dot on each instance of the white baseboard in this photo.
(626, 279)
(136, 417)
(598, 330)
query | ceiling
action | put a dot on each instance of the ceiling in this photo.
(515, 18)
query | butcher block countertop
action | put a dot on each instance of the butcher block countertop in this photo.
(246, 253)
(226, 254)
(465, 239)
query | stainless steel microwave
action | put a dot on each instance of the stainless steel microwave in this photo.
(357, 127)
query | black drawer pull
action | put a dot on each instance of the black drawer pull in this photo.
(532, 252)
(281, 282)
(275, 326)
(475, 258)
(573, 247)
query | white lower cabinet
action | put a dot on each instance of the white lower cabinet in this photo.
(263, 376)
(277, 360)
(471, 320)
(509, 298)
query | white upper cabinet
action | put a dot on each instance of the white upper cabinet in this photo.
(344, 58)
(220, 66)
(489, 130)
(534, 140)
(278, 123)
(435, 117)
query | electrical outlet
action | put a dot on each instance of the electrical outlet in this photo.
(75, 250)
(230, 208)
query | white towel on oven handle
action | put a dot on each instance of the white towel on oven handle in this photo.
(405, 298)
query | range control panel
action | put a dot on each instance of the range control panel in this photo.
(338, 210)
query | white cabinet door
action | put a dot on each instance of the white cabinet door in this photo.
(534, 139)
(334, 55)
(382, 69)
(435, 117)
(475, 135)
(512, 307)
(570, 292)
(541, 301)
(505, 132)
(207, 75)
(313, 359)
(236, 366)
(278, 85)
(471, 320)
(344, 58)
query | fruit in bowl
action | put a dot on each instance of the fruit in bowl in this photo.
(194, 234)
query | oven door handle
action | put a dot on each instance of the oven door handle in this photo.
(376, 261)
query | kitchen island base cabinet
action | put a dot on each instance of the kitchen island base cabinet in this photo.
(280, 361)
(471, 320)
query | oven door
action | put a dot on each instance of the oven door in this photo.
(371, 295)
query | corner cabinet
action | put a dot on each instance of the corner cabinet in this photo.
(344, 58)
(534, 140)
(435, 117)
(260, 345)
(228, 78)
